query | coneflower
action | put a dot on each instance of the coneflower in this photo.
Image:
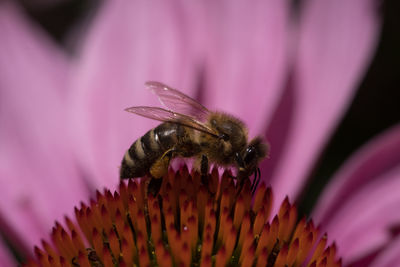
(187, 224)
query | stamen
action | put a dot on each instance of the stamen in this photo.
(114, 244)
(239, 212)
(188, 224)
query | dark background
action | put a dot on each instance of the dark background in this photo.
(375, 108)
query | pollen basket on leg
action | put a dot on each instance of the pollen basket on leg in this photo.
(187, 225)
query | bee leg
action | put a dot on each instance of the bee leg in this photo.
(160, 167)
(241, 179)
(158, 170)
(204, 170)
(259, 177)
(256, 181)
(154, 186)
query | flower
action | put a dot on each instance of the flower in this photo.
(63, 131)
(188, 224)
(373, 171)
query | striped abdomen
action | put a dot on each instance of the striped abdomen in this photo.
(146, 150)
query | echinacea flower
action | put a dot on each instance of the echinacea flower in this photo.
(188, 224)
(63, 131)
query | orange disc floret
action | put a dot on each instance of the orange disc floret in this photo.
(186, 224)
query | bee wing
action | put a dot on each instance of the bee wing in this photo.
(164, 115)
(178, 102)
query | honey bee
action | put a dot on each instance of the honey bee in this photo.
(190, 130)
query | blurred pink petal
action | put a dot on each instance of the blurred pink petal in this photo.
(357, 207)
(389, 257)
(247, 58)
(6, 258)
(130, 43)
(38, 180)
(363, 224)
(336, 42)
(373, 160)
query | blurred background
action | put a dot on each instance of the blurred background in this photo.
(375, 108)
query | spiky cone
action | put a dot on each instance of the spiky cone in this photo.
(186, 225)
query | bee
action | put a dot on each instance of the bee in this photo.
(188, 129)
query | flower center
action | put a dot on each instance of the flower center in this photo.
(187, 224)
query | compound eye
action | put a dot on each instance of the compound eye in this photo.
(249, 155)
(239, 160)
(224, 137)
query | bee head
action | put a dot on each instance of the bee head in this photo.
(232, 134)
(249, 158)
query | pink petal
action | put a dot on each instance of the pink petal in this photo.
(336, 42)
(38, 179)
(389, 257)
(364, 195)
(6, 259)
(373, 160)
(362, 225)
(130, 43)
(247, 56)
